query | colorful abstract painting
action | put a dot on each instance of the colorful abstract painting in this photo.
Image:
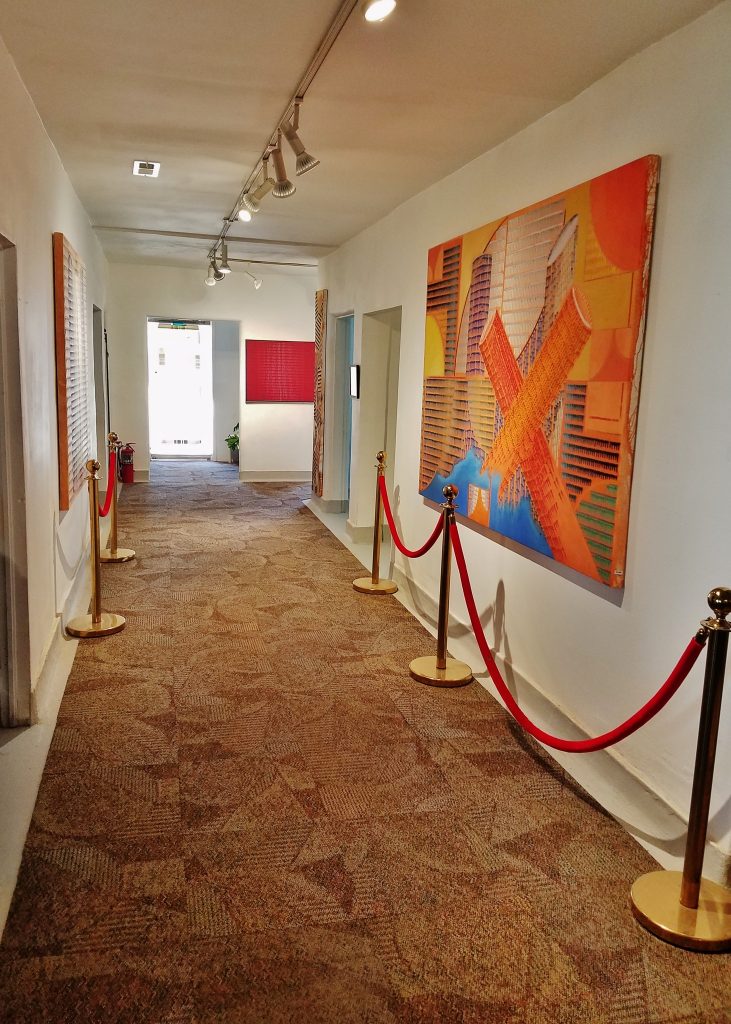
(534, 332)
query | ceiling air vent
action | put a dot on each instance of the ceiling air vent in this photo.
(146, 168)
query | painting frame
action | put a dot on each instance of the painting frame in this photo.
(532, 362)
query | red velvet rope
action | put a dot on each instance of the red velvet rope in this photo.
(640, 718)
(394, 532)
(104, 510)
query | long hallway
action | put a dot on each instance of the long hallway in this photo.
(250, 812)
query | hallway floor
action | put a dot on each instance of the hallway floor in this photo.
(251, 814)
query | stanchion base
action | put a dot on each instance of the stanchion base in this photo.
(84, 626)
(656, 905)
(120, 555)
(455, 674)
(367, 586)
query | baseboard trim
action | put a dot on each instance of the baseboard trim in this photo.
(362, 534)
(23, 751)
(46, 695)
(142, 476)
(654, 823)
(262, 476)
(329, 506)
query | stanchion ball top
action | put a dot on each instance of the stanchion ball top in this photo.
(93, 467)
(112, 437)
(719, 601)
(450, 491)
(380, 456)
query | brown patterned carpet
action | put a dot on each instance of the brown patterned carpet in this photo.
(251, 815)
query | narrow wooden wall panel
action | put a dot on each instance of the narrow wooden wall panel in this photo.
(318, 437)
(72, 369)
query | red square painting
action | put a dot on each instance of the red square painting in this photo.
(280, 371)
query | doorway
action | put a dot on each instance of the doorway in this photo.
(180, 388)
(377, 408)
(15, 679)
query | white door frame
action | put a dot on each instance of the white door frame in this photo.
(15, 676)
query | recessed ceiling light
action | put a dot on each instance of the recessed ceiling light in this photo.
(146, 168)
(377, 10)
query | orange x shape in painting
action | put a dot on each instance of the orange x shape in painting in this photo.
(525, 403)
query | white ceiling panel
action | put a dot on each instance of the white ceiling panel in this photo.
(395, 107)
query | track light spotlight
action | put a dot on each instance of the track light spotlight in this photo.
(223, 264)
(214, 274)
(244, 215)
(252, 199)
(377, 10)
(305, 162)
(284, 186)
(256, 281)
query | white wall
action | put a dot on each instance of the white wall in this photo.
(377, 347)
(36, 199)
(594, 658)
(276, 440)
(226, 372)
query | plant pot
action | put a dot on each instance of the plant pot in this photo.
(234, 455)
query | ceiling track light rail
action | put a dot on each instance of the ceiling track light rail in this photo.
(250, 196)
(249, 199)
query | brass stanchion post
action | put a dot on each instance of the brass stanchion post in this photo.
(442, 670)
(112, 553)
(373, 584)
(684, 908)
(99, 623)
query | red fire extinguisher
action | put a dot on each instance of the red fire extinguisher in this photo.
(127, 463)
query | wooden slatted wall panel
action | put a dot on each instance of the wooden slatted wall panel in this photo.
(72, 369)
(318, 436)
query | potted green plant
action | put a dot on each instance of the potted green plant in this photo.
(233, 444)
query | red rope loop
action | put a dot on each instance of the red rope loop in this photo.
(394, 532)
(621, 732)
(104, 510)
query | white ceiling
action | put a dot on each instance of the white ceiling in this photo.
(395, 107)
